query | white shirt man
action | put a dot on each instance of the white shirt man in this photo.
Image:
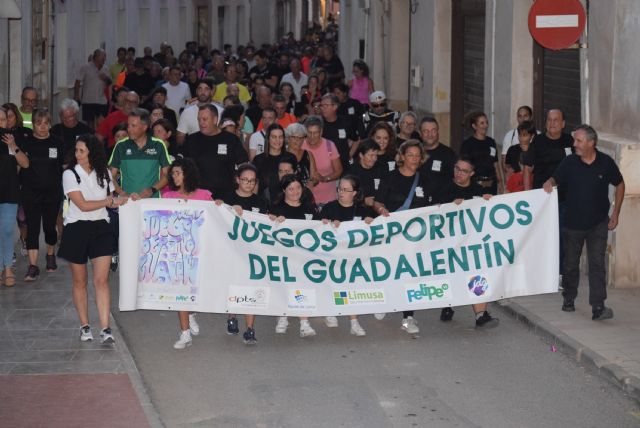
(297, 78)
(178, 93)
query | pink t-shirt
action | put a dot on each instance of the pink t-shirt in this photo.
(360, 89)
(198, 195)
(323, 154)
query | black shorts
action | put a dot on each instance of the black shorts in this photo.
(84, 240)
(93, 111)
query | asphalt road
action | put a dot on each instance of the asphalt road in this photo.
(450, 376)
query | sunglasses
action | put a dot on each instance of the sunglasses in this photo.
(377, 105)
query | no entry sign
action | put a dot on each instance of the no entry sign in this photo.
(556, 24)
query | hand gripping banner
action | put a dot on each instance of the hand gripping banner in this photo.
(197, 256)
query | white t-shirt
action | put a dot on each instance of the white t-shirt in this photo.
(510, 139)
(92, 85)
(177, 96)
(297, 85)
(257, 142)
(188, 123)
(91, 191)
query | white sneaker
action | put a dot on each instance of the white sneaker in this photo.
(184, 340)
(410, 325)
(194, 328)
(281, 327)
(85, 333)
(331, 321)
(379, 316)
(356, 329)
(106, 336)
(305, 329)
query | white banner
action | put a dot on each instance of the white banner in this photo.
(196, 256)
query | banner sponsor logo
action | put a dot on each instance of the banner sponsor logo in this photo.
(301, 299)
(358, 297)
(431, 292)
(248, 297)
(478, 285)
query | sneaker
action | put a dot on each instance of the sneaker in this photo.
(106, 336)
(447, 314)
(232, 326)
(568, 305)
(486, 321)
(249, 337)
(85, 333)
(410, 325)
(305, 329)
(356, 329)
(331, 322)
(114, 263)
(194, 328)
(602, 313)
(32, 273)
(52, 266)
(281, 327)
(184, 340)
(379, 317)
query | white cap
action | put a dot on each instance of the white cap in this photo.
(377, 97)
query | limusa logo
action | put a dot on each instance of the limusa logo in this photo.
(478, 285)
(358, 297)
(431, 292)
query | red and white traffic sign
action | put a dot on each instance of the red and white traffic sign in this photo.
(556, 24)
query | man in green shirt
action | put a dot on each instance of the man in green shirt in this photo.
(29, 103)
(141, 161)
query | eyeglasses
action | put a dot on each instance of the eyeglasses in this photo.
(247, 180)
(377, 105)
(464, 171)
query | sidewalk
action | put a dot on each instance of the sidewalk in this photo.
(47, 376)
(611, 347)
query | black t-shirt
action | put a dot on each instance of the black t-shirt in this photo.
(513, 157)
(21, 134)
(10, 183)
(353, 110)
(483, 154)
(386, 162)
(43, 179)
(450, 191)
(340, 132)
(265, 73)
(334, 211)
(333, 66)
(303, 167)
(216, 157)
(267, 166)
(395, 187)
(371, 178)
(254, 114)
(142, 84)
(400, 140)
(545, 154)
(440, 162)
(587, 189)
(303, 212)
(68, 137)
(253, 203)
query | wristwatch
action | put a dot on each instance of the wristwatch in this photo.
(153, 190)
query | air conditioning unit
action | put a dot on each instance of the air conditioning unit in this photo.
(415, 76)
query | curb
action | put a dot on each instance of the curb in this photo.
(567, 345)
(153, 417)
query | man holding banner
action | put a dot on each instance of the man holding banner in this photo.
(585, 177)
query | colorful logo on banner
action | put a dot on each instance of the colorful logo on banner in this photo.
(170, 250)
(478, 285)
(358, 297)
(248, 297)
(301, 299)
(419, 292)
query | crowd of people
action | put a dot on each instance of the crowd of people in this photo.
(280, 130)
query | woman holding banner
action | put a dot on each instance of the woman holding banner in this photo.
(183, 181)
(349, 206)
(293, 203)
(403, 189)
(243, 198)
(88, 185)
